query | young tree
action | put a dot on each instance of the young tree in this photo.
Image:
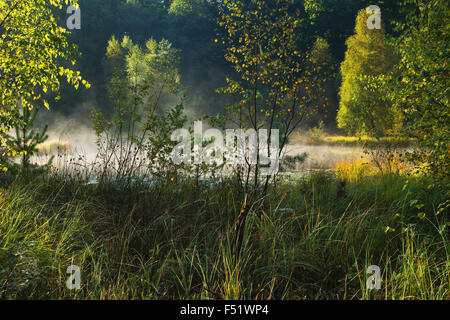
(135, 140)
(26, 139)
(277, 84)
(33, 54)
(420, 84)
(363, 110)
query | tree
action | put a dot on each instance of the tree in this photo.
(135, 140)
(420, 84)
(276, 84)
(333, 19)
(363, 110)
(34, 52)
(185, 7)
(26, 139)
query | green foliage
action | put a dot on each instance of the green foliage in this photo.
(202, 65)
(26, 140)
(317, 134)
(171, 236)
(33, 54)
(185, 7)
(276, 83)
(420, 86)
(291, 162)
(136, 139)
(362, 109)
(313, 8)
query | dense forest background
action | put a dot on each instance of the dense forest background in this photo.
(192, 26)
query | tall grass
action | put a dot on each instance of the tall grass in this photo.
(318, 136)
(314, 240)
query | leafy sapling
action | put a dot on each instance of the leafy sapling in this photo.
(26, 139)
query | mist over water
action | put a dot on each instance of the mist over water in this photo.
(81, 139)
(76, 131)
(322, 156)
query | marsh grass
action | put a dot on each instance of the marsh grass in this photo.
(174, 240)
(318, 136)
(53, 147)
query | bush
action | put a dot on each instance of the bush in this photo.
(316, 135)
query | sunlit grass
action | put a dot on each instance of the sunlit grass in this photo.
(314, 241)
(354, 170)
(53, 147)
(349, 141)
